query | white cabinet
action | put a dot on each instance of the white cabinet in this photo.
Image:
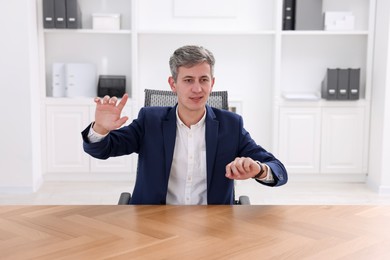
(299, 139)
(327, 140)
(342, 141)
(65, 147)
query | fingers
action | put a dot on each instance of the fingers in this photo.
(121, 121)
(123, 101)
(107, 100)
(241, 168)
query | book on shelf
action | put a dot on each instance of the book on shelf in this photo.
(329, 85)
(341, 84)
(354, 83)
(303, 15)
(288, 14)
(308, 15)
(61, 14)
(48, 13)
(73, 14)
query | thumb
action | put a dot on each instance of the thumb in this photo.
(121, 121)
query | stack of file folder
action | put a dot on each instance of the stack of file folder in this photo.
(341, 84)
(61, 14)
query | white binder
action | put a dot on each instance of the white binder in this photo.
(58, 80)
(81, 80)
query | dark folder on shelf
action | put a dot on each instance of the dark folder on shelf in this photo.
(60, 13)
(342, 84)
(308, 15)
(354, 84)
(73, 14)
(48, 13)
(288, 14)
(329, 85)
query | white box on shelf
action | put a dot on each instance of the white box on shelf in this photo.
(334, 21)
(106, 21)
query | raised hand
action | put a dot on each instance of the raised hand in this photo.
(108, 114)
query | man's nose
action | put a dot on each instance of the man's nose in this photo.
(196, 87)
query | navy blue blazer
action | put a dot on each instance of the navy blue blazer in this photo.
(152, 135)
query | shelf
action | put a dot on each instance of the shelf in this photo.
(69, 101)
(282, 102)
(73, 101)
(323, 33)
(86, 31)
(203, 32)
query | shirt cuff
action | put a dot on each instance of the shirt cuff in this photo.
(269, 178)
(94, 137)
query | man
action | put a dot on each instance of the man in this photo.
(187, 154)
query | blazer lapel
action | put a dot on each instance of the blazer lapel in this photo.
(212, 126)
(169, 133)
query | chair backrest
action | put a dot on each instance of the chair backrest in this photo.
(154, 97)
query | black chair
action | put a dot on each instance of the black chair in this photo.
(153, 97)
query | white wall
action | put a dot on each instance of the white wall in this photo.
(379, 167)
(20, 159)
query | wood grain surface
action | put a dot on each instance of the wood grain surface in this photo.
(195, 232)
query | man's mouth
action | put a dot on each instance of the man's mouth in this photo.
(196, 98)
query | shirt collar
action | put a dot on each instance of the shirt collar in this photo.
(199, 124)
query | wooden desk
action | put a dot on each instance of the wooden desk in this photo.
(195, 232)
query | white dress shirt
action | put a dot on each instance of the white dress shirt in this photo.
(187, 184)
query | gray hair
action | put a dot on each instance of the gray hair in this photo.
(188, 56)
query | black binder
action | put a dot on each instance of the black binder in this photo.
(48, 13)
(73, 14)
(60, 13)
(354, 84)
(329, 85)
(289, 14)
(342, 84)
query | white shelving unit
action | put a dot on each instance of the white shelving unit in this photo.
(257, 62)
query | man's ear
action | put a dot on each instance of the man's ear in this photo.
(171, 82)
(212, 84)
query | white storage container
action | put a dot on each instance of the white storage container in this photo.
(106, 21)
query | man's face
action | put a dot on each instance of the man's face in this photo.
(193, 86)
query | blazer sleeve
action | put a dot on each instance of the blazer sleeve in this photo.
(125, 140)
(249, 148)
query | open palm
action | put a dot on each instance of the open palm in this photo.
(108, 114)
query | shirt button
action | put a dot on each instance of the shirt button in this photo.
(189, 178)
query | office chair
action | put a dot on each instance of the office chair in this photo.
(153, 97)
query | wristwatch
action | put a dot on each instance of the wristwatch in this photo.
(260, 173)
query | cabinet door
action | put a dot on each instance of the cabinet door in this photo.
(113, 164)
(64, 143)
(342, 140)
(299, 139)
